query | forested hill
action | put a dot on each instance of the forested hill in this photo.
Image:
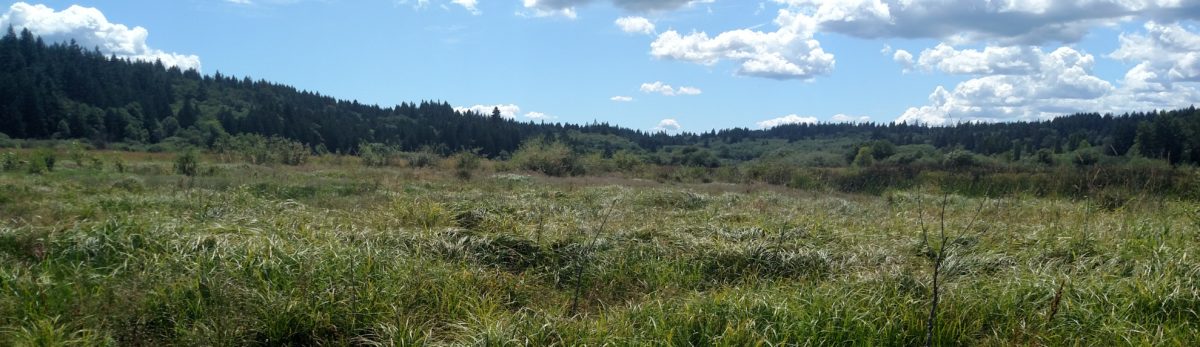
(65, 91)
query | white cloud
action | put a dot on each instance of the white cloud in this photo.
(668, 125)
(552, 7)
(788, 119)
(635, 25)
(621, 98)
(539, 116)
(1007, 22)
(90, 28)
(240, 2)
(1170, 50)
(666, 89)
(1011, 83)
(904, 58)
(506, 110)
(568, 13)
(844, 118)
(1007, 60)
(469, 5)
(787, 53)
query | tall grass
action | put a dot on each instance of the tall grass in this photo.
(350, 255)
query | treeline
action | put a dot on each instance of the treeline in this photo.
(64, 91)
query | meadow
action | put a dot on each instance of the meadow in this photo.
(120, 249)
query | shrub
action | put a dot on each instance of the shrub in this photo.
(864, 158)
(374, 154)
(77, 153)
(7, 142)
(43, 160)
(625, 160)
(257, 149)
(423, 158)
(960, 158)
(552, 158)
(118, 164)
(1045, 157)
(9, 161)
(288, 152)
(187, 163)
(1086, 157)
(465, 163)
(131, 184)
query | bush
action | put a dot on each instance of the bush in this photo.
(187, 163)
(1086, 157)
(423, 158)
(257, 149)
(1045, 157)
(9, 161)
(374, 154)
(43, 160)
(960, 158)
(552, 158)
(864, 158)
(465, 164)
(625, 160)
(7, 142)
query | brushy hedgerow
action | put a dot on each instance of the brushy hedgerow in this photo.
(256, 255)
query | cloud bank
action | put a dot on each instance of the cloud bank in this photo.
(90, 28)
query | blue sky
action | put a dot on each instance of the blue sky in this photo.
(728, 63)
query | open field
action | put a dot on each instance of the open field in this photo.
(348, 255)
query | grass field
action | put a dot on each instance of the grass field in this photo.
(346, 255)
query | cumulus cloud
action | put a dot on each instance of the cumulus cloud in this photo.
(845, 118)
(668, 125)
(1009, 22)
(469, 5)
(1170, 52)
(621, 98)
(787, 53)
(635, 25)
(1010, 83)
(539, 116)
(904, 58)
(788, 119)
(991, 60)
(90, 28)
(658, 87)
(506, 110)
(552, 7)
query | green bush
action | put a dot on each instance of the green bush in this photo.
(1045, 157)
(187, 163)
(864, 158)
(258, 149)
(552, 158)
(626, 160)
(374, 154)
(1086, 157)
(9, 161)
(959, 159)
(423, 158)
(465, 164)
(43, 160)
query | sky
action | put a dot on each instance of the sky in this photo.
(674, 65)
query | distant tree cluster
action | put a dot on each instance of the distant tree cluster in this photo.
(64, 91)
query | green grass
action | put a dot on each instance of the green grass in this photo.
(346, 255)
